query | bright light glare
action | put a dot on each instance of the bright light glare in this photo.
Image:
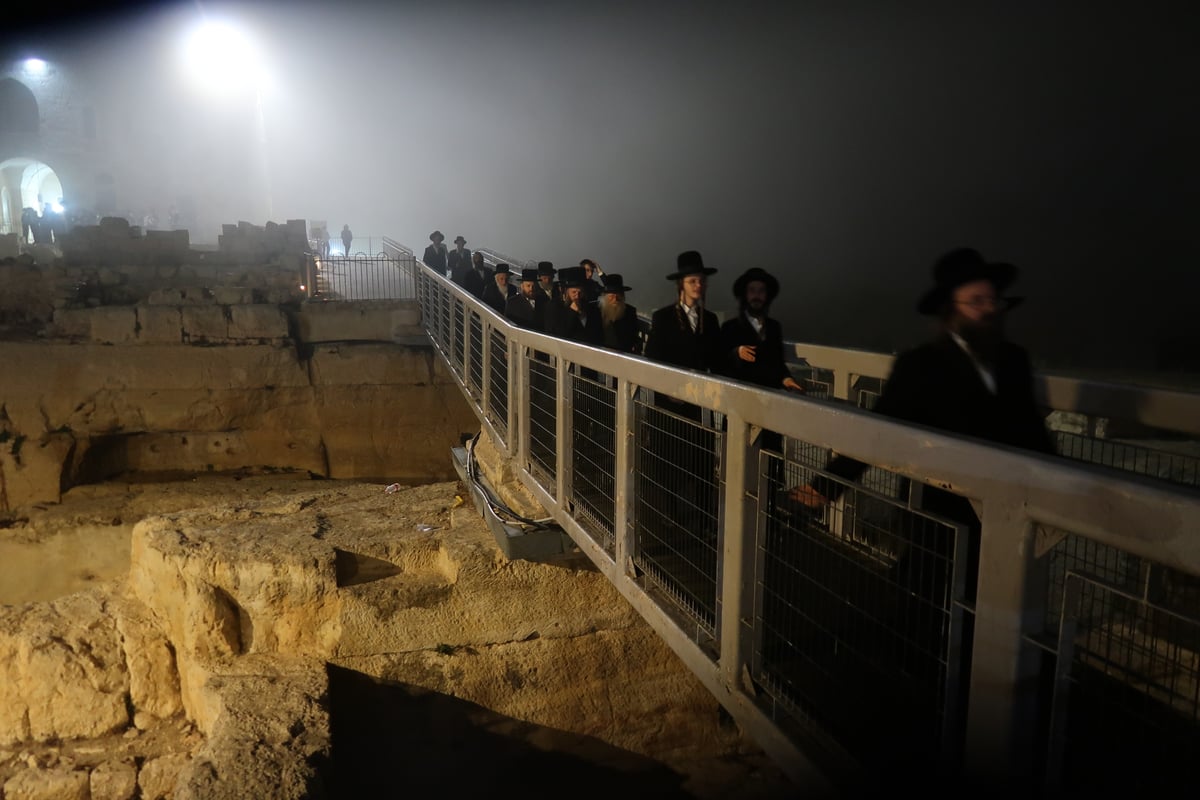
(220, 56)
(35, 66)
(56, 208)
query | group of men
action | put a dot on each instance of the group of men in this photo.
(968, 380)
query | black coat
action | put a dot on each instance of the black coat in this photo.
(672, 341)
(435, 258)
(495, 297)
(622, 334)
(523, 312)
(768, 367)
(937, 385)
(458, 265)
(476, 281)
(564, 323)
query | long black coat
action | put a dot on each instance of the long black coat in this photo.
(937, 385)
(458, 265)
(435, 258)
(564, 323)
(672, 341)
(497, 298)
(476, 281)
(768, 367)
(523, 312)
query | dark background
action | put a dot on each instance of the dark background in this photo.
(841, 145)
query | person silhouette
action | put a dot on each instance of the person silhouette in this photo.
(347, 237)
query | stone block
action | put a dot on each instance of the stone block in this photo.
(113, 780)
(257, 322)
(204, 324)
(232, 295)
(370, 364)
(72, 323)
(113, 324)
(47, 784)
(31, 467)
(159, 324)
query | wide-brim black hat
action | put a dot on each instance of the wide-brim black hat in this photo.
(502, 269)
(689, 262)
(960, 266)
(529, 274)
(571, 276)
(436, 235)
(756, 274)
(546, 268)
(613, 282)
(458, 239)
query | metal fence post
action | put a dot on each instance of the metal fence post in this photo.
(737, 560)
(623, 482)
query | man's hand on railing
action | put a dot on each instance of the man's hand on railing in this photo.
(792, 385)
(807, 496)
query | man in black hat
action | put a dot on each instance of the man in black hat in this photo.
(522, 308)
(685, 333)
(752, 342)
(969, 379)
(619, 319)
(478, 277)
(546, 283)
(574, 318)
(498, 291)
(458, 262)
(592, 289)
(435, 253)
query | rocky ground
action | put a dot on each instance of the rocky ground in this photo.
(388, 735)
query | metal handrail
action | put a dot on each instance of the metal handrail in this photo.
(1027, 504)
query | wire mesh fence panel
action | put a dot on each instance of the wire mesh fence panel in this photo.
(497, 410)
(1126, 709)
(678, 505)
(445, 317)
(458, 336)
(593, 453)
(475, 371)
(1176, 467)
(862, 628)
(543, 419)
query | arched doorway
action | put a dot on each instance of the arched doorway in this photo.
(29, 184)
(18, 108)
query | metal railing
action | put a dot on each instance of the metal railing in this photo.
(882, 635)
(386, 276)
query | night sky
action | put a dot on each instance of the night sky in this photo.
(841, 145)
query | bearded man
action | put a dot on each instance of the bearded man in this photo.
(619, 319)
(969, 379)
(753, 341)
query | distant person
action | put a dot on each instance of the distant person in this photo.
(458, 262)
(498, 291)
(546, 283)
(347, 238)
(591, 284)
(478, 277)
(435, 253)
(522, 308)
(28, 220)
(619, 319)
(574, 317)
(752, 341)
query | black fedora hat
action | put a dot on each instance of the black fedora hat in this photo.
(546, 268)
(964, 265)
(756, 274)
(689, 262)
(436, 235)
(502, 269)
(571, 276)
(613, 282)
(459, 239)
(529, 274)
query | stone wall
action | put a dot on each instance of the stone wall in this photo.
(209, 366)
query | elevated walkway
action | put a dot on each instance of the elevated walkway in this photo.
(875, 642)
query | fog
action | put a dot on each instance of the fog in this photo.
(842, 146)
